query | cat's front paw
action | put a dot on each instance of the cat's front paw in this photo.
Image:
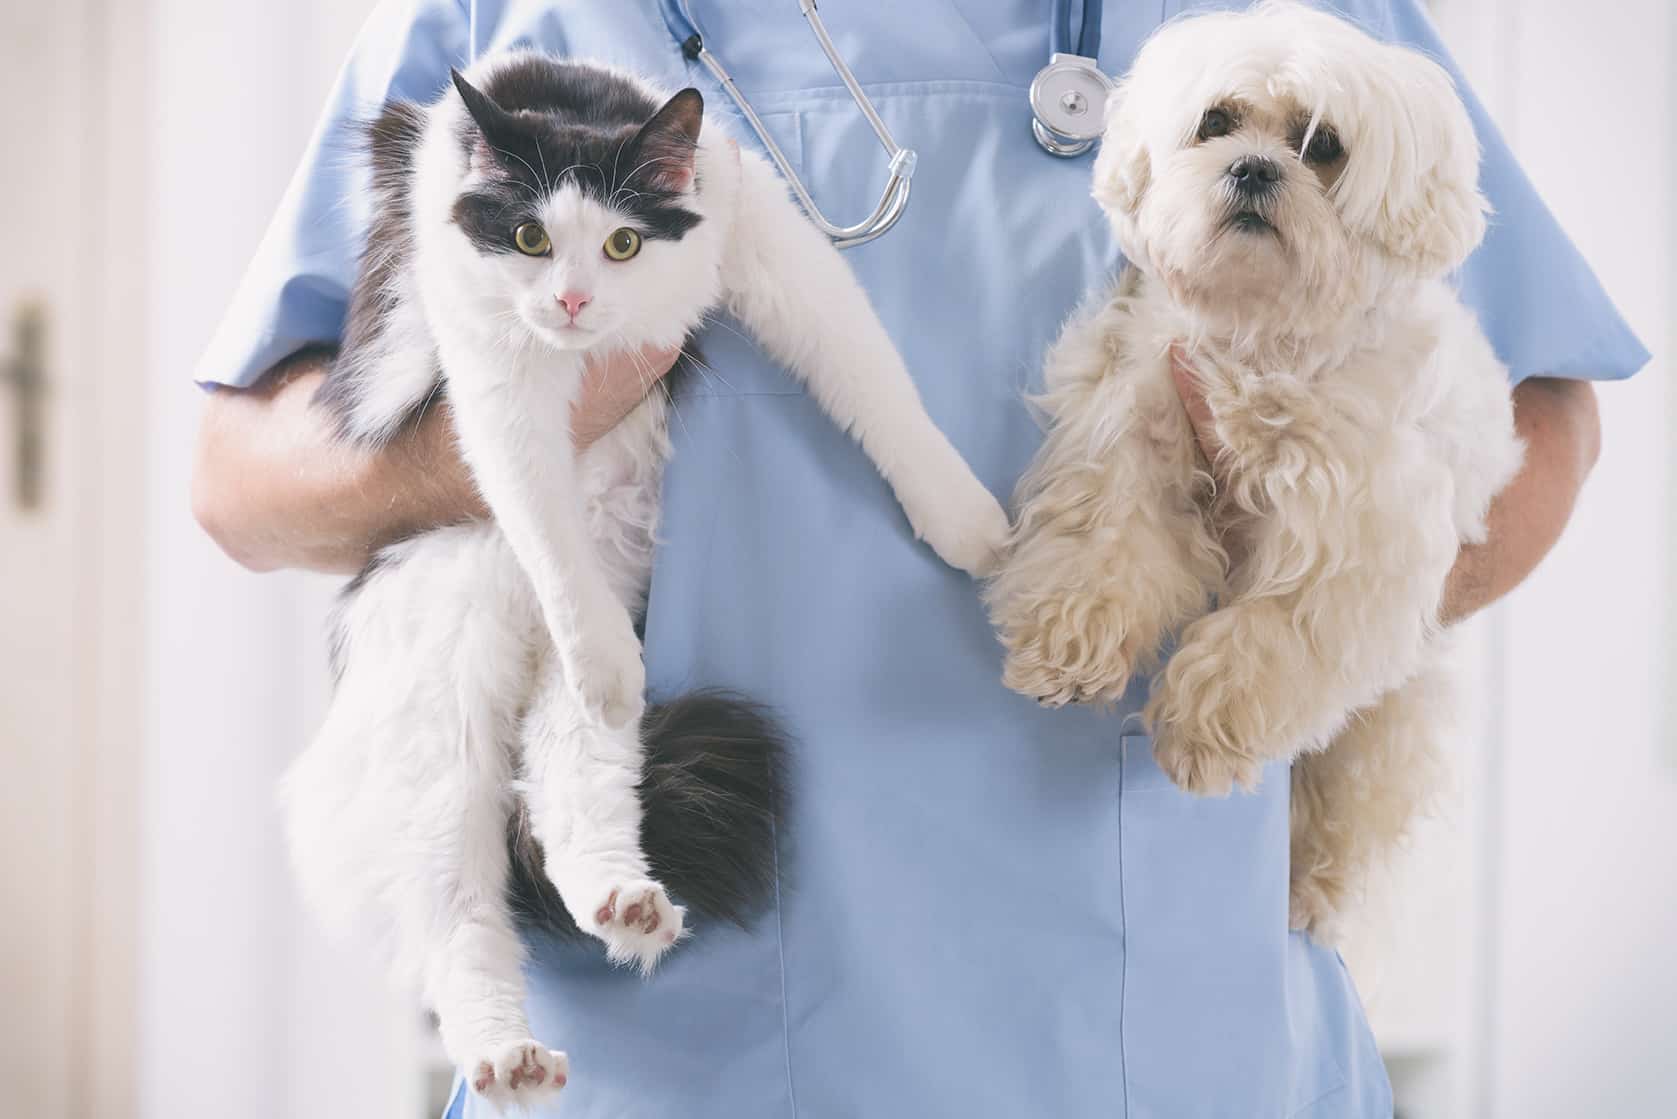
(610, 674)
(638, 923)
(520, 1075)
(962, 521)
(1071, 648)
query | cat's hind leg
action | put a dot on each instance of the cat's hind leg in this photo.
(582, 788)
(474, 972)
(398, 811)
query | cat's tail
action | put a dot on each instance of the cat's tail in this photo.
(712, 789)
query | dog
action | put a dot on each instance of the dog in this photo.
(1292, 196)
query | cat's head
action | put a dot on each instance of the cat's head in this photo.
(582, 222)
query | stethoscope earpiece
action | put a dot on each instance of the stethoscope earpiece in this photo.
(1068, 103)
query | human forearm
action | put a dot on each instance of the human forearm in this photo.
(1561, 428)
(275, 488)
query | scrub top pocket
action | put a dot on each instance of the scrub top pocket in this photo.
(1187, 864)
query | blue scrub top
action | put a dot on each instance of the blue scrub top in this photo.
(985, 908)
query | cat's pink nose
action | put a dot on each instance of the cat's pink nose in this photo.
(573, 302)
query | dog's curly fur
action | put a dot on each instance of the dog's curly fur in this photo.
(1364, 425)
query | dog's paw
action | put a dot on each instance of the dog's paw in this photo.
(638, 923)
(1027, 672)
(1075, 649)
(521, 1074)
(1201, 764)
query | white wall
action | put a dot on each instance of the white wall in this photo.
(1584, 992)
(243, 1011)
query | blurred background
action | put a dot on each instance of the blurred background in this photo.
(153, 960)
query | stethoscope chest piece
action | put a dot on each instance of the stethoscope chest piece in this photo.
(1068, 100)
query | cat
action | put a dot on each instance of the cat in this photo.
(489, 675)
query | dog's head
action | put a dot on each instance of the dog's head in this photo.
(1282, 158)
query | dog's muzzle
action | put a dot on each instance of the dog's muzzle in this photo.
(1254, 177)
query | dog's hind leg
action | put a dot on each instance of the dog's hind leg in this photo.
(1353, 802)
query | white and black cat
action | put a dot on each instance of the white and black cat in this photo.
(538, 212)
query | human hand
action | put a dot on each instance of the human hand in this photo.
(1192, 395)
(611, 387)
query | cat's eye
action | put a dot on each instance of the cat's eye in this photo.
(623, 243)
(1215, 123)
(1324, 146)
(531, 239)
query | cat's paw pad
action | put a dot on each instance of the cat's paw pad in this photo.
(1200, 765)
(638, 923)
(521, 1074)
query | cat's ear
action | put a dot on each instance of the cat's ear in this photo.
(493, 121)
(666, 144)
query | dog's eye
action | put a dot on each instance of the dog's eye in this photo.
(1324, 146)
(1215, 123)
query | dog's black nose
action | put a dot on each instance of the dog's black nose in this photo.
(1253, 175)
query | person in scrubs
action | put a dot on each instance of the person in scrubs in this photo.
(985, 908)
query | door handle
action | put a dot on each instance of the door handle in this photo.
(26, 374)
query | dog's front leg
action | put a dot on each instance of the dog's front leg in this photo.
(1334, 607)
(1111, 550)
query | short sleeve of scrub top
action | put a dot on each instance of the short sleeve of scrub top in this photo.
(295, 292)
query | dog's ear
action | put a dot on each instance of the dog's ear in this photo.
(1122, 169)
(1413, 178)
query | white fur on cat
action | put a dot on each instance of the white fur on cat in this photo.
(398, 811)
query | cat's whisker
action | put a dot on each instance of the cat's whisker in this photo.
(616, 157)
(711, 318)
(645, 164)
(430, 397)
(660, 384)
(546, 182)
(706, 369)
(521, 159)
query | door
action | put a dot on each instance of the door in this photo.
(43, 255)
(70, 684)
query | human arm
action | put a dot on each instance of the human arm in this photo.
(275, 487)
(1561, 427)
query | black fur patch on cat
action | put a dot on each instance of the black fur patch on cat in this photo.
(540, 124)
(390, 140)
(712, 790)
(585, 124)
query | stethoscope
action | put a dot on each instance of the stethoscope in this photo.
(1067, 98)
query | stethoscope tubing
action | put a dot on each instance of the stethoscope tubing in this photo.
(893, 201)
(1088, 38)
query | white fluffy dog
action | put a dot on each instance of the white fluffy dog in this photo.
(1291, 194)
